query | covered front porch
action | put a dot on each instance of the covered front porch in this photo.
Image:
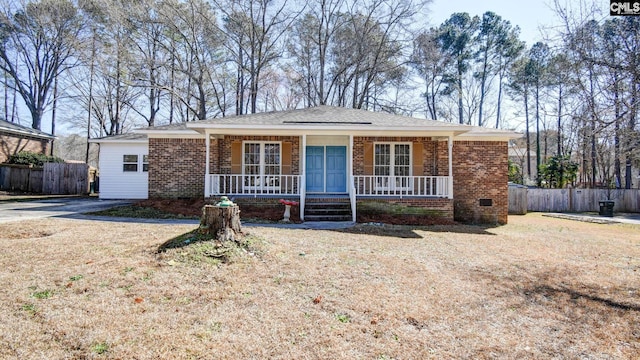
(328, 165)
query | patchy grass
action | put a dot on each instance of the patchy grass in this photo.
(134, 211)
(536, 288)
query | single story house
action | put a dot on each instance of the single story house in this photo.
(15, 138)
(320, 157)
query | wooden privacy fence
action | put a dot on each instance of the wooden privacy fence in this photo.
(53, 178)
(571, 200)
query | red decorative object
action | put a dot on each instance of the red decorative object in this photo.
(288, 202)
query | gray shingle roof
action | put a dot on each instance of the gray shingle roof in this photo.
(323, 116)
(14, 128)
(329, 118)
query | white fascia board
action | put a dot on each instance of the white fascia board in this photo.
(173, 134)
(115, 141)
(489, 137)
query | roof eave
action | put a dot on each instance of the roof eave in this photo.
(115, 141)
(27, 133)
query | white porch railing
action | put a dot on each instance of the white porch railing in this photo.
(373, 185)
(224, 184)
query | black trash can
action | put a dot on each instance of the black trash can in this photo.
(606, 208)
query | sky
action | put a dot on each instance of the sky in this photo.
(530, 16)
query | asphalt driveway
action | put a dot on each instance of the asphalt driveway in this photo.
(36, 209)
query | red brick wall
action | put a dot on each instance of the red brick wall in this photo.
(176, 167)
(429, 148)
(12, 144)
(225, 151)
(480, 172)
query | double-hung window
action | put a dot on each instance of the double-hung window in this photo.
(261, 165)
(392, 166)
(132, 163)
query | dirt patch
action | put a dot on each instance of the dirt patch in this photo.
(193, 208)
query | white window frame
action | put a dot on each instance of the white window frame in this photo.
(262, 181)
(125, 163)
(384, 182)
(139, 163)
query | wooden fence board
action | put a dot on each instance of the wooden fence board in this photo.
(574, 200)
(35, 180)
(518, 200)
(69, 179)
(53, 178)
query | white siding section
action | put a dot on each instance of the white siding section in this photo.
(116, 183)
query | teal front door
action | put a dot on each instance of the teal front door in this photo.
(336, 169)
(326, 169)
(315, 168)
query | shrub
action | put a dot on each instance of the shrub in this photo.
(30, 158)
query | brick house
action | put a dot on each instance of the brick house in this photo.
(324, 155)
(15, 138)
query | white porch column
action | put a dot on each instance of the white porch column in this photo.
(207, 185)
(350, 159)
(303, 178)
(450, 148)
(352, 189)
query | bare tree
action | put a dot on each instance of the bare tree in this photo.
(37, 44)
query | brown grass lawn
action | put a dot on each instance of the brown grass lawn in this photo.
(536, 288)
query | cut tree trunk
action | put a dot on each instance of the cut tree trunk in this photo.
(221, 222)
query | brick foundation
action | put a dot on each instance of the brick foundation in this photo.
(434, 207)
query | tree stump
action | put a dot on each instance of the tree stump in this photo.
(221, 222)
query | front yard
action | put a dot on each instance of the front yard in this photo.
(536, 288)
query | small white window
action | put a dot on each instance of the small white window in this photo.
(145, 163)
(130, 163)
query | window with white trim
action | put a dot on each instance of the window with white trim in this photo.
(135, 163)
(130, 163)
(261, 164)
(392, 165)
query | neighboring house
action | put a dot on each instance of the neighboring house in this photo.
(15, 138)
(325, 155)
